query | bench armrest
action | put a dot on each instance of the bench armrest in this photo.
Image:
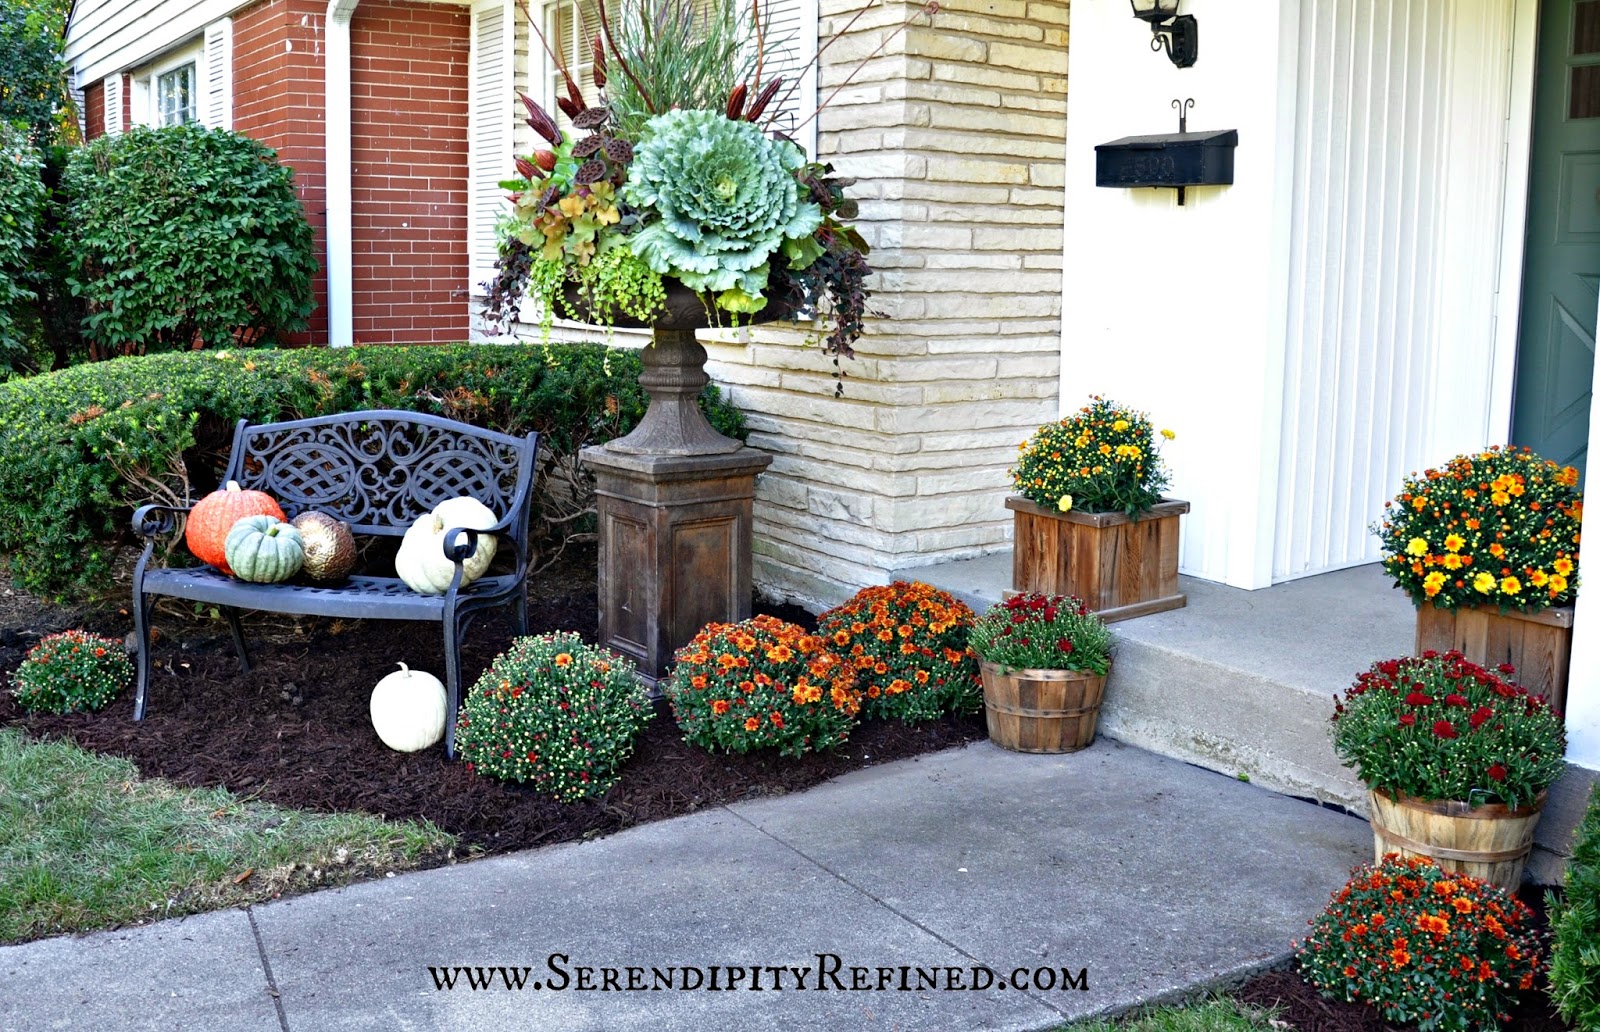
(151, 520)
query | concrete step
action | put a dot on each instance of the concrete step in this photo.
(1242, 682)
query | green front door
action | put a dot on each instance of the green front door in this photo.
(1561, 269)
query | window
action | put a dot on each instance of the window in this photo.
(175, 96)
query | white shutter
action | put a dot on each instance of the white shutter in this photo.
(790, 30)
(216, 87)
(113, 95)
(491, 109)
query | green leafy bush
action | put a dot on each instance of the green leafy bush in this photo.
(1424, 947)
(762, 684)
(182, 235)
(908, 643)
(82, 447)
(34, 91)
(1575, 929)
(555, 713)
(73, 671)
(1031, 631)
(22, 198)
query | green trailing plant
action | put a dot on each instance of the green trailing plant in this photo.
(763, 683)
(1439, 727)
(1575, 928)
(71, 672)
(185, 236)
(82, 447)
(1102, 458)
(554, 713)
(1030, 631)
(908, 644)
(1440, 951)
(22, 202)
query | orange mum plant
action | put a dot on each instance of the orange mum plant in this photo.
(1497, 527)
(762, 683)
(908, 644)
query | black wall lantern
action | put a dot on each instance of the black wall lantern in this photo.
(1179, 33)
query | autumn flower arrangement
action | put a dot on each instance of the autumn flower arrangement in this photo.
(1437, 727)
(1102, 458)
(1437, 950)
(763, 683)
(908, 644)
(73, 671)
(673, 173)
(1030, 631)
(1498, 527)
(555, 713)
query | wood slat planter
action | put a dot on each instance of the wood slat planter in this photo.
(1121, 567)
(1538, 644)
(1040, 711)
(1491, 842)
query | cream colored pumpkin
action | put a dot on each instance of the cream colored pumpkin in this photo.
(421, 561)
(408, 709)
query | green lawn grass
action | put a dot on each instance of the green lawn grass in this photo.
(85, 843)
(1219, 1015)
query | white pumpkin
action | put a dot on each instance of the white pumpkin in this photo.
(421, 561)
(408, 709)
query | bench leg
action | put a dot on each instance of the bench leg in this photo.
(522, 611)
(238, 638)
(452, 682)
(141, 658)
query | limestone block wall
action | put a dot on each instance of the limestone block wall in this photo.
(956, 133)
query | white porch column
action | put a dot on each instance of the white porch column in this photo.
(1583, 684)
(341, 325)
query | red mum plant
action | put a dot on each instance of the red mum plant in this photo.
(1438, 727)
(908, 644)
(1031, 631)
(73, 671)
(1496, 527)
(1438, 950)
(763, 683)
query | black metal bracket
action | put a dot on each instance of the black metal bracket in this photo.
(1183, 107)
(1180, 37)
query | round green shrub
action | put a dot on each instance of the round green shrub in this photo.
(556, 713)
(908, 644)
(1575, 928)
(22, 199)
(73, 671)
(182, 235)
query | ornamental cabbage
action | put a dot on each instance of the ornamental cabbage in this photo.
(719, 198)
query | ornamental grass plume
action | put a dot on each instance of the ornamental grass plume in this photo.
(1441, 951)
(1438, 727)
(1495, 527)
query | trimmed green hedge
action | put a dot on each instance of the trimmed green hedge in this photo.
(82, 447)
(1575, 929)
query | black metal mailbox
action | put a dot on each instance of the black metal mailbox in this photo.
(1167, 159)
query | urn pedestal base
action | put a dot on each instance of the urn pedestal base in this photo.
(675, 537)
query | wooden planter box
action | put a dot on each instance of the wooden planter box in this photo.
(1538, 644)
(1121, 567)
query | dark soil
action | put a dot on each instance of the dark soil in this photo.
(296, 730)
(1304, 1010)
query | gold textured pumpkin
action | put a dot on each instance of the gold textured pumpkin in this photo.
(330, 547)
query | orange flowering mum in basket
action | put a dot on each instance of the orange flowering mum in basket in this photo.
(762, 683)
(908, 644)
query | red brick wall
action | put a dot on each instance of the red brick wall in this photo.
(127, 102)
(94, 110)
(409, 163)
(278, 99)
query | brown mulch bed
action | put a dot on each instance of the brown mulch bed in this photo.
(1304, 1010)
(296, 730)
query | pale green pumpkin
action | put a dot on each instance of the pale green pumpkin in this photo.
(264, 550)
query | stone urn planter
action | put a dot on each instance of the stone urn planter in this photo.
(1538, 645)
(1041, 711)
(1491, 841)
(1122, 567)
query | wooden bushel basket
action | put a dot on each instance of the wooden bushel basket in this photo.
(1041, 711)
(1491, 842)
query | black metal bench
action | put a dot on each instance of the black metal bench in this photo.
(379, 471)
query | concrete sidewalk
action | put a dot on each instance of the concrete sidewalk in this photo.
(1148, 876)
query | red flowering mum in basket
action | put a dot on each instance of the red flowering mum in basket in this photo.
(762, 683)
(908, 644)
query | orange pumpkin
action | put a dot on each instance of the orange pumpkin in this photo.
(215, 514)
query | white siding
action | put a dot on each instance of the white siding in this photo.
(1397, 200)
(791, 37)
(494, 106)
(216, 95)
(107, 36)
